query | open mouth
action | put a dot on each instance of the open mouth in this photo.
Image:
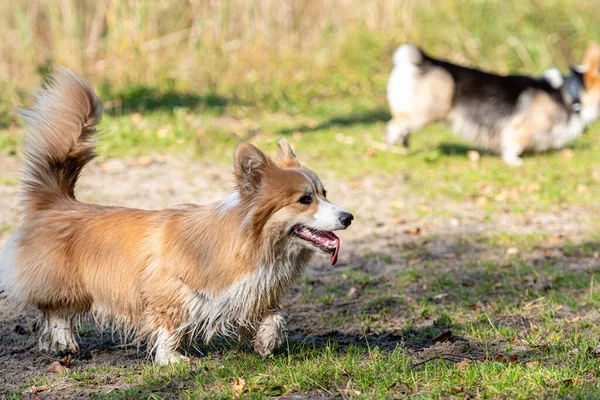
(325, 241)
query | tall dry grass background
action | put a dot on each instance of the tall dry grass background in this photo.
(274, 54)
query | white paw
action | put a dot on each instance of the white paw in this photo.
(170, 358)
(58, 337)
(513, 161)
(270, 335)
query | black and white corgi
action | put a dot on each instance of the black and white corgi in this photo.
(508, 115)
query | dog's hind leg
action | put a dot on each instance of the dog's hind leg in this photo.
(269, 335)
(398, 130)
(58, 334)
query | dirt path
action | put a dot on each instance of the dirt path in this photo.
(382, 227)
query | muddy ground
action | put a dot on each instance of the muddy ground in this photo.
(387, 224)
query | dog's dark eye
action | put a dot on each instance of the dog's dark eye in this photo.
(324, 193)
(307, 200)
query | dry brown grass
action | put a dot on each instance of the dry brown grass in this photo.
(242, 46)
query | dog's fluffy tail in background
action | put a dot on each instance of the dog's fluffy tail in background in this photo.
(60, 140)
(407, 53)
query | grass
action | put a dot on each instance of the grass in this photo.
(532, 334)
(493, 302)
(436, 165)
(315, 72)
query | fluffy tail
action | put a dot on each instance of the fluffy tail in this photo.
(60, 139)
(407, 53)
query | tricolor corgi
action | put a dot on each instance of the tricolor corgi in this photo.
(186, 271)
(508, 115)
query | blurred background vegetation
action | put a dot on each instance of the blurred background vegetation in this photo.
(293, 56)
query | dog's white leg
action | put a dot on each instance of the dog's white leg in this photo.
(58, 335)
(510, 154)
(269, 335)
(510, 148)
(166, 348)
(395, 131)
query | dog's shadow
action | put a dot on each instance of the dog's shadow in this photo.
(455, 149)
(355, 118)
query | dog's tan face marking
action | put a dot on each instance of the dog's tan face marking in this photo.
(590, 99)
(288, 200)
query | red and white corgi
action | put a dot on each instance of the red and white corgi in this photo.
(216, 269)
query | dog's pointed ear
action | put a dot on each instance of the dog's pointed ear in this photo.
(250, 165)
(285, 156)
(591, 63)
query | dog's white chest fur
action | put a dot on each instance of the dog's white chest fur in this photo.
(242, 304)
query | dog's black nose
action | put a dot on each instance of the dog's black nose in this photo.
(346, 218)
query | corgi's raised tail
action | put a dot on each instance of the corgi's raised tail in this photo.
(407, 54)
(60, 139)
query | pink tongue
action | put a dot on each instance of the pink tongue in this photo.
(331, 236)
(335, 254)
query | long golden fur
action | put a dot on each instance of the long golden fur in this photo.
(170, 274)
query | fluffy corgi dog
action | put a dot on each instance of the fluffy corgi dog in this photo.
(508, 115)
(187, 271)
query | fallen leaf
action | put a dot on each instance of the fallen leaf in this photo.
(511, 251)
(144, 160)
(572, 320)
(458, 389)
(413, 231)
(558, 307)
(57, 368)
(567, 154)
(533, 326)
(352, 292)
(464, 364)
(32, 392)
(500, 197)
(370, 153)
(473, 155)
(113, 165)
(136, 118)
(442, 337)
(238, 387)
(572, 382)
(341, 138)
(581, 188)
(37, 389)
(513, 358)
(349, 389)
(533, 364)
(481, 201)
(440, 296)
(500, 358)
(352, 392)
(398, 205)
(449, 255)
(164, 131)
(66, 361)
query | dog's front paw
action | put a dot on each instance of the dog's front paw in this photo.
(170, 358)
(58, 337)
(270, 335)
(513, 161)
